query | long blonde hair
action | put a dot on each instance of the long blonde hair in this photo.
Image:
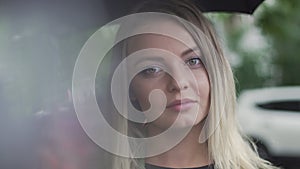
(228, 147)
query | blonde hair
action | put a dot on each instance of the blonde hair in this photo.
(228, 147)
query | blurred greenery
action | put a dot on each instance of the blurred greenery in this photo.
(37, 58)
(280, 23)
(265, 47)
(245, 48)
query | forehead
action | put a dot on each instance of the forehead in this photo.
(169, 35)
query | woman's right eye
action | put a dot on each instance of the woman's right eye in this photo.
(151, 71)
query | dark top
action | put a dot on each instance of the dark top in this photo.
(150, 166)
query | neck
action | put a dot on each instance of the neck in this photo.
(188, 153)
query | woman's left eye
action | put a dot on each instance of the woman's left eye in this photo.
(194, 62)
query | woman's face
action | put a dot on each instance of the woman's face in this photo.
(188, 94)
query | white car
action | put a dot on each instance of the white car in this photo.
(272, 116)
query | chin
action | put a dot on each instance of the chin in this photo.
(186, 122)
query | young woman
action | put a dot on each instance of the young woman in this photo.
(182, 83)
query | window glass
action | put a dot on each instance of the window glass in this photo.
(290, 105)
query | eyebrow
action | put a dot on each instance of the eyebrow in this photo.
(189, 51)
(154, 58)
(162, 60)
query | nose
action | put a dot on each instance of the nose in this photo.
(178, 81)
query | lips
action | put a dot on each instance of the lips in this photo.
(181, 105)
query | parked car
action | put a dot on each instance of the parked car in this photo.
(271, 116)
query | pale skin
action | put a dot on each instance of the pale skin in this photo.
(196, 91)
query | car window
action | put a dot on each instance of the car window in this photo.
(289, 105)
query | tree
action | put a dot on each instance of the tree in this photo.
(280, 22)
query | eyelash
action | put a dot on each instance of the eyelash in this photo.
(159, 69)
(146, 73)
(199, 63)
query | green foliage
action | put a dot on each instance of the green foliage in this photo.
(280, 23)
(276, 60)
(250, 61)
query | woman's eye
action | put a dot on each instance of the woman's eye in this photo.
(151, 71)
(194, 62)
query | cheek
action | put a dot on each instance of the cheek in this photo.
(203, 89)
(140, 90)
(142, 99)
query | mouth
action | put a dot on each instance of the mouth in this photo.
(181, 105)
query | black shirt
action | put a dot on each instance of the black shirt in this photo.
(150, 166)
